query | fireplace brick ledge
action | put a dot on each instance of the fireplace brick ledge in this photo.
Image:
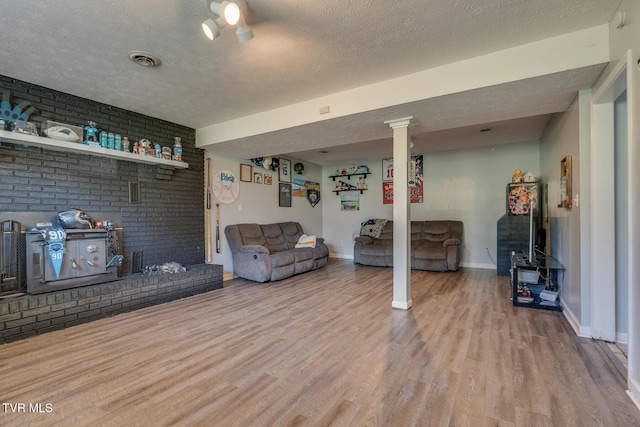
(29, 315)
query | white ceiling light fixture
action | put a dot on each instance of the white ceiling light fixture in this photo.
(212, 27)
(227, 13)
(230, 11)
(243, 31)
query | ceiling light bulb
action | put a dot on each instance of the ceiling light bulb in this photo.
(228, 10)
(212, 28)
(209, 29)
(231, 13)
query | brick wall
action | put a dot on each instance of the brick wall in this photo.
(168, 223)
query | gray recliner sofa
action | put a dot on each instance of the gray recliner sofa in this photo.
(267, 252)
(435, 246)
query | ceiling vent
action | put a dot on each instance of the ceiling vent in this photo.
(145, 59)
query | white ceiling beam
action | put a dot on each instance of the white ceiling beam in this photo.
(566, 52)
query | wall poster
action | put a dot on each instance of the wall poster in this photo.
(416, 187)
(520, 195)
(298, 187)
(387, 170)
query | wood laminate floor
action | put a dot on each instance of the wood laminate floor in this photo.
(323, 348)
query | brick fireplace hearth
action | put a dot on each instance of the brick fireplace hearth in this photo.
(29, 315)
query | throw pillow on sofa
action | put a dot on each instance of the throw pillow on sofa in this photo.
(372, 227)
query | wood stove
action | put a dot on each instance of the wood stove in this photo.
(84, 257)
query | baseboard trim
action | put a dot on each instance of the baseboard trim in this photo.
(341, 256)
(462, 264)
(634, 391)
(228, 276)
(581, 331)
(478, 265)
(585, 332)
(622, 338)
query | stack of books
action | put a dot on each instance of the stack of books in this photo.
(548, 298)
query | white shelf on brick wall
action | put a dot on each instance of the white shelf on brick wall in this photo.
(75, 147)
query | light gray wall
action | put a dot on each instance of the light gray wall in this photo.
(258, 203)
(466, 185)
(561, 139)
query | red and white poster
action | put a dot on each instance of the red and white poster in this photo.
(416, 189)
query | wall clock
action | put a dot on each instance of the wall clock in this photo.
(226, 187)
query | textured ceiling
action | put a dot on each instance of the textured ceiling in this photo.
(301, 50)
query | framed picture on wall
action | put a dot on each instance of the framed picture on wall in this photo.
(267, 179)
(284, 170)
(565, 183)
(245, 173)
(257, 177)
(284, 195)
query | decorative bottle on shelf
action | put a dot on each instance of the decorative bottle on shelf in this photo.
(177, 148)
(104, 139)
(125, 144)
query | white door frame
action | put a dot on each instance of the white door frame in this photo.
(624, 76)
(603, 278)
(633, 211)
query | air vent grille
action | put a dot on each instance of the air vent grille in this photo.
(145, 59)
(134, 192)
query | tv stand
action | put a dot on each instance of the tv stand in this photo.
(530, 279)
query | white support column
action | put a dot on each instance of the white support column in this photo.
(401, 213)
